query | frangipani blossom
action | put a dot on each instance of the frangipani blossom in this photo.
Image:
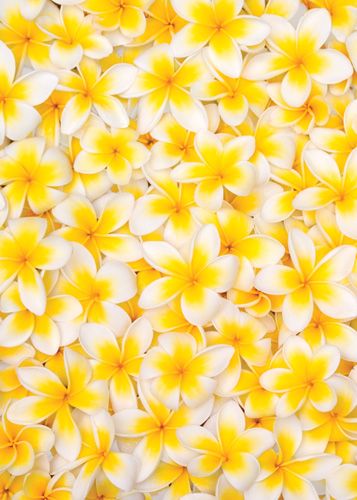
(24, 251)
(96, 226)
(155, 427)
(219, 24)
(18, 117)
(52, 396)
(341, 483)
(95, 90)
(168, 203)
(305, 377)
(285, 472)
(99, 452)
(197, 280)
(74, 36)
(298, 55)
(308, 283)
(40, 484)
(21, 444)
(98, 290)
(118, 360)
(161, 82)
(176, 370)
(31, 174)
(335, 187)
(117, 151)
(230, 448)
(44, 330)
(220, 165)
(245, 334)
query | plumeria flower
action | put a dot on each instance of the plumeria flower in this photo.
(219, 24)
(96, 225)
(100, 455)
(258, 403)
(326, 429)
(167, 203)
(155, 428)
(174, 144)
(51, 113)
(337, 186)
(44, 330)
(253, 250)
(245, 334)
(21, 444)
(95, 90)
(117, 151)
(304, 377)
(287, 473)
(229, 448)
(32, 174)
(220, 165)
(18, 116)
(235, 96)
(162, 22)
(177, 370)
(98, 290)
(10, 485)
(309, 283)
(118, 360)
(73, 35)
(40, 484)
(24, 251)
(161, 82)
(23, 36)
(298, 55)
(30, 9)
(340, 142)
(197, 280)
(314, 111)
(52, 396)
(110, 15)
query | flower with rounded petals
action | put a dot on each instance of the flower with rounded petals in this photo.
(117, 151)
(284, 8)
(33, 174)
(25, 250)
(337, 186)
(96, 225)
(100, 454)
(21, 444)
(167, 203)
(52, 396)
(98, 290)
(218, 24)
(45, 330)
(155, 428)
(162, 82)
(94, 90)
(18, 117)
(176, 369)
(118, 360)
(245, 334)
(230, 448)
(304, 377)
(128, 16)
(73, 36)
(220, 165)
(40, 484)
(297, 55)
(309, 283)
(287, 473)
(197, 280)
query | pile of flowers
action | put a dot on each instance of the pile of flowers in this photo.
(178, 240)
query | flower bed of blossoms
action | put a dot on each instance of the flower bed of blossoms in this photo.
(178, 234)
